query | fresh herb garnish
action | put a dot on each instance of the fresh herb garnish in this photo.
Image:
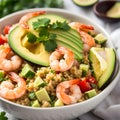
(44, 22)
(45, 36)
(3, 116)
(60, 25)
(31, 37)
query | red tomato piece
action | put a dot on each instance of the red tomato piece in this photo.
(2, 39)
(84, 85)
(6, 29)
(91, 80)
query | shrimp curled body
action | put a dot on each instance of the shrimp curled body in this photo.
(68, 91)
(9, 61)
(9, 91)
(83, 30)
(62, 59)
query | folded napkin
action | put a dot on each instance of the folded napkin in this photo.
(109, 109)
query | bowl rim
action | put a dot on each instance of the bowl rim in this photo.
(65, 12)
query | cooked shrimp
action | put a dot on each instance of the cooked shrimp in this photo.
(68, 91)
(8, 89)
(26, 17)
(9, 61)
(61, 59)
(83, 30)
(79, 26)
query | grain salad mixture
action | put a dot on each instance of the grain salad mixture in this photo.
(49, 61)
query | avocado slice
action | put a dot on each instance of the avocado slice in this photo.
(102, 67)
(111, 60)
(85, 3)
(69, 39)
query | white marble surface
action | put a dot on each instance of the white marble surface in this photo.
(88, 12)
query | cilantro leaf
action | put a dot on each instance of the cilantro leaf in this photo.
(2, 116)
(31, 38)
(60, 25)
(44, 22)
(50, 45)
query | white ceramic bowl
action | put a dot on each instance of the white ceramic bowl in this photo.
(65, 112)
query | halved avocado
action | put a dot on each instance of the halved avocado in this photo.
(85, 3)
(17, 43)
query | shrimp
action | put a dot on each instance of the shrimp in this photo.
(83, 29)
(9, 61)
(79, 26)
(9, 91)
(26, 17)
(68, 91)
(61, 59)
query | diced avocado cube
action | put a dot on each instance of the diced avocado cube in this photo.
(58, 103)
(100, 38)
(90, 93)
(84, 68)
(38, 81)
(36, 103)
(27, 71)
(42, 95)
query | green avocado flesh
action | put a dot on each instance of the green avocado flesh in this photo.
(16, 38)
(84, 2)
(114, 12)
(103, 77)
(35, 52)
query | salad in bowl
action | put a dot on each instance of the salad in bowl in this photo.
(48, 60)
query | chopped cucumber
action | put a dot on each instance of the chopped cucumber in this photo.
(42, 95)
(27, 71)
(58, 103)
(2, 74)
(84, 68)
(90, 93)
(100, 38)
(38, 81)
(36, 103)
